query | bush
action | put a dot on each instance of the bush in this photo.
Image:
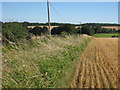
(68, 28)
(13, 32)
(56, 30)
(64, 34)
(78, 30)
(87, 30)
(45, 31)
(37, 31)
(114, 36)
(91, 32)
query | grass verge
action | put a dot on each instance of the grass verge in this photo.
(51, 63)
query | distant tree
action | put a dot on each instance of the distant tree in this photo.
(119, 31)
(68, 28)
(114, 31)
(105, 30)
(86, 29)
(45, 31)
(56, 31)
(91, 32)
(78, 30)
(36, 31)
(25, 24)
(97, 28)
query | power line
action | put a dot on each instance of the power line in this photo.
(57, 12)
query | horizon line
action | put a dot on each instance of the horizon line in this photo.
(61, 22)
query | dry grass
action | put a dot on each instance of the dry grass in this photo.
(99, 65)
(111, 27)
(50, 63)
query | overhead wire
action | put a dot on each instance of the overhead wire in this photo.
(57, 12)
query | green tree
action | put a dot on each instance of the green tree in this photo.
(68, 28)
(97, 28)
(36, 31)
(25, 24)
(56, 31)
(45, 31)
(86, 29)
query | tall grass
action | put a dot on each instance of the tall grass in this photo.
(50, 62)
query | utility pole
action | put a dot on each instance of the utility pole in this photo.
(80, 27)
(48, 17)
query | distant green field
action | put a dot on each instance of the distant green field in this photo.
(107, 35)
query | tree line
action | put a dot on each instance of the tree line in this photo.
(15, 31)
(25, 23)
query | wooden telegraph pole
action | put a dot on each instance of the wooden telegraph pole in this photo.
(80, 28)
(48, 17)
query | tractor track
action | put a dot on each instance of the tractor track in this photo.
(99, 65)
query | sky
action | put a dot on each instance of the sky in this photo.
(119, 12)
(60, 0)
(62, 12)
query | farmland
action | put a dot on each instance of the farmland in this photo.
(96, 68)
(99, 65)
(106, 35)
(63, 61)
(67, 58)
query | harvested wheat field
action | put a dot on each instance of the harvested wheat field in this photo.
(99, 65)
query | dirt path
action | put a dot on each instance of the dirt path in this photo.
(99, 65)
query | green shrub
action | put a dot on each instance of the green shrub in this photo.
(37, 31)
(70, 29)
(87, 30)
(13, 32)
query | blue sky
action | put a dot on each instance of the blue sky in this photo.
(70, 12)
(119, 12)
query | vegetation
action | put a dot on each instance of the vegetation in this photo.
(14, 32)
(50, 63)
(59, 24)
(37, 31)
(87, 30)
(98, 28)
(68, 28)
(101, 24)
(43, 62)
(106, 35)
(104, 30)
(43, 24)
